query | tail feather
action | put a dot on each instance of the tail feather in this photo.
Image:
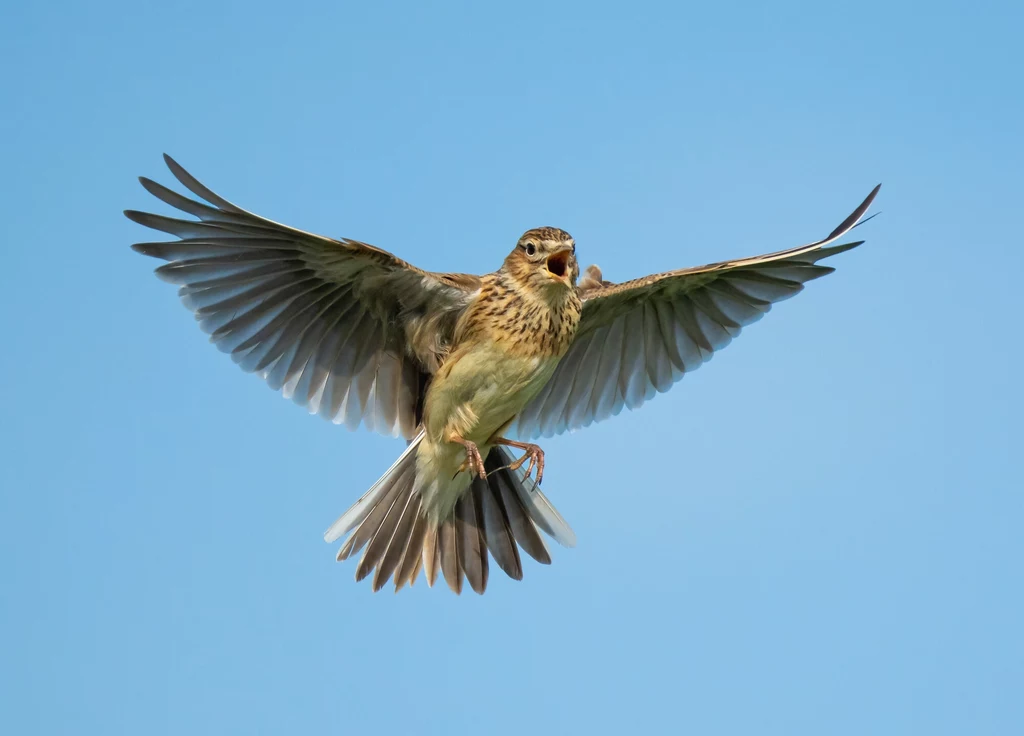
(498, 533)
(431, 556)
(523, 528)
(540, 509)
(412, 556)
(417, 563)
(497, 515)
(398, 540)
(376, 516)
(472, 547)
(545, 515)
(390, 512)
(355, 515)
(447, 544)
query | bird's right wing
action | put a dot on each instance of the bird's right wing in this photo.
(638, 338)
(343, 328)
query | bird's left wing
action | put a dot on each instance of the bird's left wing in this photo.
(637, 338)
(346, 329)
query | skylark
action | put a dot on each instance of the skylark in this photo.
(454, 363)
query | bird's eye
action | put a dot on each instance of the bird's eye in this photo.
(530, 249)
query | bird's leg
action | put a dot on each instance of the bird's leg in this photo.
(533, 453)
(473, 459)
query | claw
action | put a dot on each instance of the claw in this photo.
(473, 460)
(533, 453)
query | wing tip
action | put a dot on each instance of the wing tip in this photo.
(178, 171)
(151, 186)
(823, 253)
(851, 221)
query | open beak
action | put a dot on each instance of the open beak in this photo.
(558, 264)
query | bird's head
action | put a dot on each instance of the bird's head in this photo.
(545, 259)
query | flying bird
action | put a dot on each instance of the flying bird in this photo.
(454, 363)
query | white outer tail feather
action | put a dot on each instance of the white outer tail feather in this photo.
(514, 526)
(359, 510)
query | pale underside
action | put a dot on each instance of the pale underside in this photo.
(356, 335)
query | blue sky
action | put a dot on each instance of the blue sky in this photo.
(818, 532)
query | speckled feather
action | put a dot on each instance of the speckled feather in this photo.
(508, 312)
(359, 336)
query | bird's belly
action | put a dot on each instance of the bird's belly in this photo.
(475, 395)
(482, 390)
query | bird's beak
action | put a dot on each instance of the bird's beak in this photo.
(558, 264)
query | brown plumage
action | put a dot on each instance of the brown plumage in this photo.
(454, 363)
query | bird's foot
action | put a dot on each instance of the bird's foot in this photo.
(473, 460)
(532, 452)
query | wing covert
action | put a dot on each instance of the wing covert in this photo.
(636, 339)
(327, 322)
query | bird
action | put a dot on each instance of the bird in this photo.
(456, 364)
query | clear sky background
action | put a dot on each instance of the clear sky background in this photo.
(817, 533)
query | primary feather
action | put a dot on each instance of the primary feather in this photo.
(451, 361)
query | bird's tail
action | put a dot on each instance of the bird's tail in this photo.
(498, 514)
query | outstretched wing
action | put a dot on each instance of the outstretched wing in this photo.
(341, 327)
(637, 338)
